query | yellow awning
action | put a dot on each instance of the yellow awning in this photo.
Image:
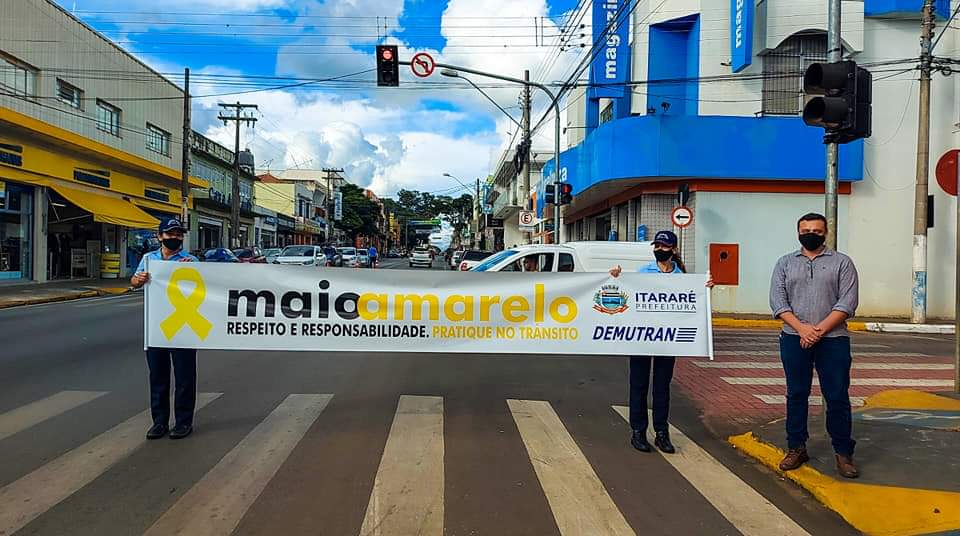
(107, 209)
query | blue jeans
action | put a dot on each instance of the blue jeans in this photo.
(831, 358)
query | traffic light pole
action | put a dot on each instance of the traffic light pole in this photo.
(834, 55)
(918, 310)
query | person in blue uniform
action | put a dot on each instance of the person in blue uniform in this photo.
(159, 360)
(668, 262)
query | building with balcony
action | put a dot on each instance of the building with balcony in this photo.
(90, 148)
(214, 163)
(717, 108)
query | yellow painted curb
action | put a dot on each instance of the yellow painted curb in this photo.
(910, 399)
(115, 290)
(724, 322)
(871, 509)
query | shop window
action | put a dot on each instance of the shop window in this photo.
(69, 94)
(158, 140)
(17, 77)
(108, 118)
(157, 194)
(783, 70)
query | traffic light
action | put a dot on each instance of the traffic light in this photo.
(566, 193)
(550, 197)
(843, 105)
(388, 66)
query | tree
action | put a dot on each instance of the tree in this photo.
(361, 216)
(414, 205)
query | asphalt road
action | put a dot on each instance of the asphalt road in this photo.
(308, 443)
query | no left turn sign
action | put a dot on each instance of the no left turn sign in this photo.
(422, 65)
(682, 217)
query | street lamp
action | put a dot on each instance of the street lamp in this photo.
(453, 71)
(454, 74)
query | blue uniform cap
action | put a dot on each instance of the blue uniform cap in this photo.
(170, 224)
(667, 238)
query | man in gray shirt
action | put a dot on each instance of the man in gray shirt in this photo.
(814, 291)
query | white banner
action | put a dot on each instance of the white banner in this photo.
(271, 307)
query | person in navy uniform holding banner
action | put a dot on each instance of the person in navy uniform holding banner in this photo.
(184, 360)
(668, 262)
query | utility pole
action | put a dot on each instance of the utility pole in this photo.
(527, 100)
(478, 215)
(831, 186)
(237, 118)
(330, 200)
(185, 153)
(918, 310)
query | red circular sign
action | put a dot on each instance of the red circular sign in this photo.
(947, 172)
(387, 54)
(423, 65)
(682, 217)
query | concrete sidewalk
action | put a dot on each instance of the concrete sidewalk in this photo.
(55, 291)
(907, 445)
(877, 325)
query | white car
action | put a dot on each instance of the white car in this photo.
(471, 258)
(571, 257)
(455, 259)
(421, 257)
(302, 256)
(349, 256)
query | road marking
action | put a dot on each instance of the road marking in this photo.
(19, 419)
(732, 345)
(30, 496)
(776, 365)
(856, 401)
(872, 382)
(859, 355)
(407, 496)
(725, 490)
(578, 499)
(219, 500)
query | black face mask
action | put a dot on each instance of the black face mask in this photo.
(172, 244)
(662, 256)
(811, 241)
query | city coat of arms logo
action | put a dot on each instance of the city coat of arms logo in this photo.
(610, 300)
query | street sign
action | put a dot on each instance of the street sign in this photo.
(422, 65)
(947, 171)
(527, 217)
(682, 217)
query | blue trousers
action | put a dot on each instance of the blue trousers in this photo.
(640, 385)
(185, 393)
(831, 358)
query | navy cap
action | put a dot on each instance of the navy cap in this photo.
(170, 224)
(667, 238)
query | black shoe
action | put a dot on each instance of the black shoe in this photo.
(181, 431)
(662, 441)
(639, 441)
(157, 431)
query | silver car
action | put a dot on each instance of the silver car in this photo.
(421, 257)
(349, 256)
(302, 256)
(363, 258)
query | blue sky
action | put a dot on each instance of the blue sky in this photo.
(385, 138)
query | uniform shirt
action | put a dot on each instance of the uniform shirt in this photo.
(812, 289)
(372, 252)
(158, 256)
(654, 268)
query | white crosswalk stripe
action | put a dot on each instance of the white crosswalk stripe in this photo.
(725, 490)
(577, 497)
(780, 400)
(19, 419)
(733, 345)
(874, 382)
(32, 495)
(776, 365)
(215, 505)
(720, 351)
(407, 496)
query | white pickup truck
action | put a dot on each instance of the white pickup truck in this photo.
(571, 257)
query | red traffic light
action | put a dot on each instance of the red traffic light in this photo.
(387, 54)
(566, 188)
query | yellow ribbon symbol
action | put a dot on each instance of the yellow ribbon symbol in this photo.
(186, 309)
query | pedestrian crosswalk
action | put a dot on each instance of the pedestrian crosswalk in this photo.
(407, 493)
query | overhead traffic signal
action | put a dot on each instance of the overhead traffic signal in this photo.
(550, 197)
(843, 102)
(388, 66)
(566, 193)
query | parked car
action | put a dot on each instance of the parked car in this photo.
(349, 256)
(271, 254)
(455, 259)
(421, 257)
(363, 258)
(333, 256)
(572, 257)
(219, 255)
(302, 256)
(253, 255)
(471, 258)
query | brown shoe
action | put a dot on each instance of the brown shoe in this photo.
(845, 467)
(794, 458)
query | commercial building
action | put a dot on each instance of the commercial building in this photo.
(90, 148)
(214, 163)
(293, 202)
(265, 227)
(322, 185)
(708, 94)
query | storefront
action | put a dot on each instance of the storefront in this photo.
(16, 230)
(286, 229)
(265, 227)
